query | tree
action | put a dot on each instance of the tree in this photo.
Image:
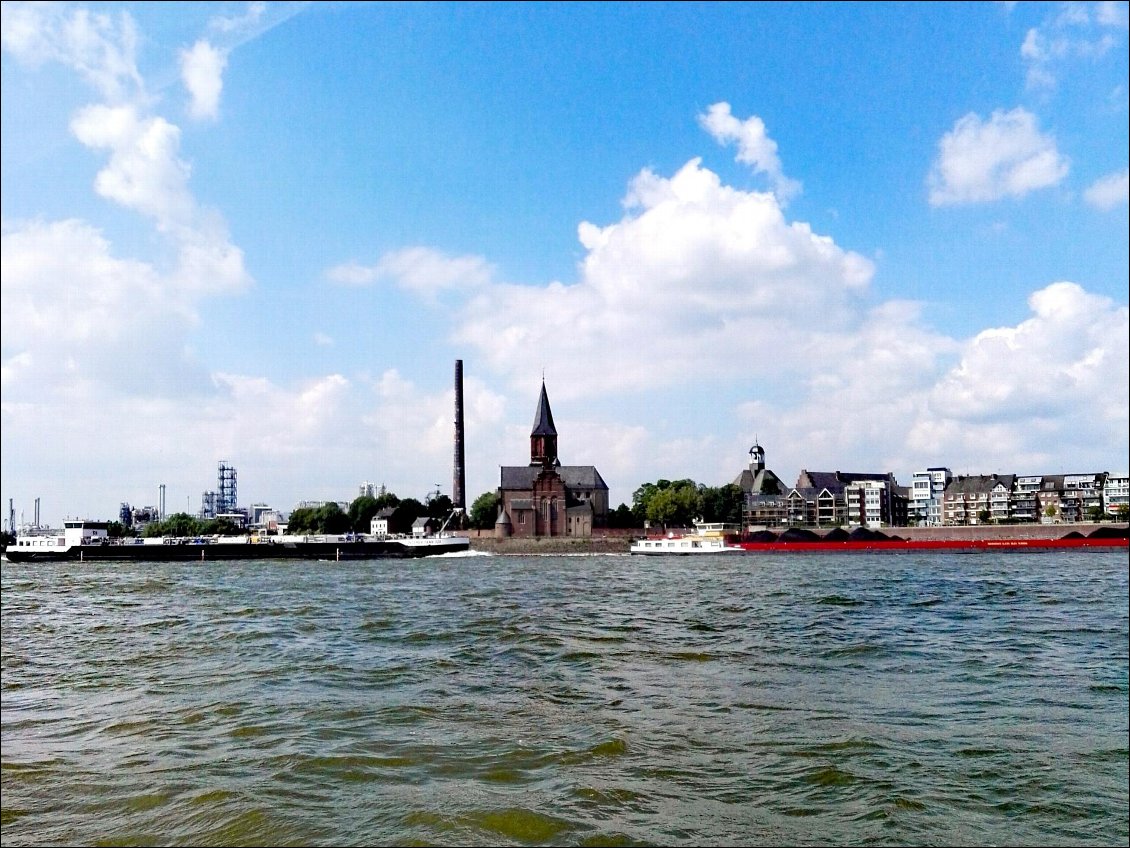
(623, 517)
(439, 506)
(678, 504)
(484, 511)
(219, 527)
(407, 511)
(984, 516)
(303, 520)
(387, 499)
(177, 524)
(331, 519)
(361, 513)
(1122, 512)
(723, 503)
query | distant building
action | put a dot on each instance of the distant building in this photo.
(379, 524)
(1116, 493)
(765, 500)
(927, 492)
(424, 526)
(546, 498)
(833, 498)
(967, 498)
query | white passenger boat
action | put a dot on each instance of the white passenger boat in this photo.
(707, 538)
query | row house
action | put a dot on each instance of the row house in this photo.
(1026, 498)
(1000, 498)
(875, 503)
(1010, 498)
(1116, 494)
(1071, 497)
(832, 498)
(927, 489)
(967, 499)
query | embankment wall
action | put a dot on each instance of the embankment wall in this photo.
(619, 540)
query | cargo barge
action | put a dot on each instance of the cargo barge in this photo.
(89, 541)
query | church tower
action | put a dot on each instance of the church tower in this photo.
(543, 438)
(756, 458)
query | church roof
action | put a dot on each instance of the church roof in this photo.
(521, 477)
(543, 419)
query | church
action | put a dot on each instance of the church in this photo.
(546, 498)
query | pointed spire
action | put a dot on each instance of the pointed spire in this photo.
(543, 419)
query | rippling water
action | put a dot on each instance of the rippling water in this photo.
(862, 699)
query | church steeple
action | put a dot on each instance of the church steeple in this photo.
(543, 437)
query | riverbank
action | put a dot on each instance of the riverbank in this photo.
(620, 541)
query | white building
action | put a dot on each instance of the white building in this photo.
(926, 494)
(1116, 494)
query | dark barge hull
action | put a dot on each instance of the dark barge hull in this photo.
(220, 551)
(903, 545)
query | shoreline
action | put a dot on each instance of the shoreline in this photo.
(620, 541)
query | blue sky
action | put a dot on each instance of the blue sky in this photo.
(872, 237)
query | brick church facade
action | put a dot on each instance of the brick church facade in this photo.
(546, 498)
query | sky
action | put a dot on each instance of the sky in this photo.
(870, 237)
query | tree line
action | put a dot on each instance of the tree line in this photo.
(667, 503)
(327, 519)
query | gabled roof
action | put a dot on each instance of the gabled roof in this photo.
(977, 484)
(835, 481)
(521, 477)
(543, 418)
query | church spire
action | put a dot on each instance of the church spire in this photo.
(543, 437)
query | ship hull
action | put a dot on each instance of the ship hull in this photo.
(222, 551)
(904, 545)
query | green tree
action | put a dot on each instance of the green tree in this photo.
(115, 529)
(439, 506)
(484, 511)
(303, 520)
(679, 504)
(387, 499)
(407, 511)
(177, 524)
(219, 527)
(361, 513)
(984, 516)
(1122, 512)
(722, 503)
(332, 519)
(623, 517)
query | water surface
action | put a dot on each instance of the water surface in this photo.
(969, 698)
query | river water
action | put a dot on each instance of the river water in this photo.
(970, 698)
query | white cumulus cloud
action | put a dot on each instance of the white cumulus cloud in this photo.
(1110, 191)
(202, 70)
(1005, 156)
(100, 47)
(755, 147)
(421, 270)
(698, 278)
(1071, 34)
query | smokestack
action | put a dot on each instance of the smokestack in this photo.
(459, 484)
